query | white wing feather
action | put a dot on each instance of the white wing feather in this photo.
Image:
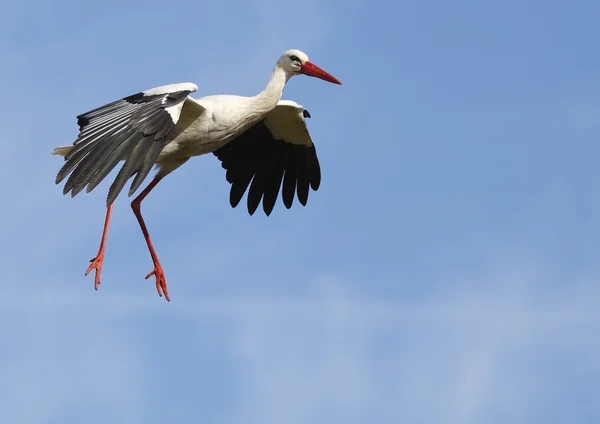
(286, 122)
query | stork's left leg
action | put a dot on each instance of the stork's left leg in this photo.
(161, 282)
(96, 263)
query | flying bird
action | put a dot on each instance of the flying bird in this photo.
(262, 142)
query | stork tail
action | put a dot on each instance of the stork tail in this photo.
(61, 151)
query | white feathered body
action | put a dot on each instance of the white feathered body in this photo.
(209, 123)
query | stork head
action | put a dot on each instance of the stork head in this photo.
(295, 62)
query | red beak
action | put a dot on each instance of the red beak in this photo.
(307, 68)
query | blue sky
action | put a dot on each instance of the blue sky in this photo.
(445, 272)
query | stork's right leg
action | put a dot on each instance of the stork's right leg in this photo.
(96, 263)
(136, 205)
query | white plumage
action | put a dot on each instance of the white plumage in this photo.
(262, 142)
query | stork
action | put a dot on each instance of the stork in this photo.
(262, 143)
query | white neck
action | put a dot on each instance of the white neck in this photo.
(266, 100)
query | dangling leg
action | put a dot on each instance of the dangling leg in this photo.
(161, 282)
(96, 263)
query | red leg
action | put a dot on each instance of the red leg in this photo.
(161, 282)
(96, 263)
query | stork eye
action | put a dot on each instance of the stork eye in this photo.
(294, 58)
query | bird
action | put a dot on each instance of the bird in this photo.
(262, 142)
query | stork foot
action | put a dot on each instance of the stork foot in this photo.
(161, 281)
(96, 264)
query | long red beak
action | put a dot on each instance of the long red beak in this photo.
(312, 70)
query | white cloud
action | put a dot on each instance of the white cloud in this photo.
(462, 357)
(59, 362)
(458, 359)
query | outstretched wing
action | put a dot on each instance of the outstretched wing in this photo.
(277, 150)
(134, 129)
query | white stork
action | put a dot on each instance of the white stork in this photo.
(262, 142)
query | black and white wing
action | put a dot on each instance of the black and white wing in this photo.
(275, 153)
(134, 129)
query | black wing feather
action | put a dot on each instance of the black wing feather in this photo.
(257, 159)
(111, 158)
(142, 171)
(273, 184)
(302, 184)
(261, 177)
(135, 129)
(315, 170)
(289, 186)
(86, 169)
